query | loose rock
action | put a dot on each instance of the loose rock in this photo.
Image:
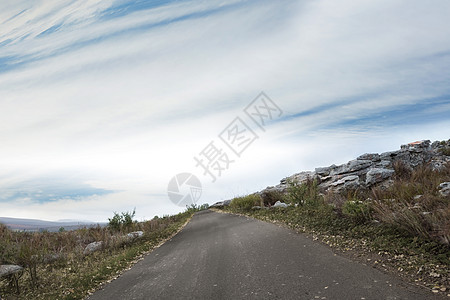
(280, 204)
(444, 189)
(6, 270)
(135, 234)
(92, 247)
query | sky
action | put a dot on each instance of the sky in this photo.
(103, 103)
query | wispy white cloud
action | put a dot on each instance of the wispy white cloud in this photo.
(126, 95)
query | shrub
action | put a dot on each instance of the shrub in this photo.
(5, 244)
(196, 207)
(245, 203)
(30, 253)
(445, 151)
(306, 193)
(359, 211)
(122, 221)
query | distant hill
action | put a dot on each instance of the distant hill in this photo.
(41, 225)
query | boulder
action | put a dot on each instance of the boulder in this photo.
(92, 247)
(350, 167)
(280, 204)
(303, 176)
(6, 270)
(281, 188)
(324, 171)
(388, 155)
(351, 181)
(383, 164)
(369, 156)
(377, 175)
(135, 234)
(438, 163)
(418, 146)
(444, 189)
(221, 203)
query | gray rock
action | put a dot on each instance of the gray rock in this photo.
(324, 171)
(369, 156)
(281, 188)
(338, 183)
(418, 146)
(388, 155)
(377, 175)
(221, 203)
(135, 234)
(300, 178)
(280, 204)
(444, 189)
(351, 166)
(347, 181)
(226, 202)
(439, 163)
(358, 164)
(384, 164)
(404, 156)
(92, 247)
(6, 270)
(303, 176)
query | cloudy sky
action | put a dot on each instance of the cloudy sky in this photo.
(102, 102)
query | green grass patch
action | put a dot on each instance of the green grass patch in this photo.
(245, 203)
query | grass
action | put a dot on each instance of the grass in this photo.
(56, 268)
(414, 204)
(245, 203)
(403, 229)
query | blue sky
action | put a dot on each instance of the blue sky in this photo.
(103, 102)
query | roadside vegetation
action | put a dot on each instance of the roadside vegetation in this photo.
(404, 228)
(56, 265)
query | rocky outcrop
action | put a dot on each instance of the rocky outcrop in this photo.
(372, 169)
(6, 270)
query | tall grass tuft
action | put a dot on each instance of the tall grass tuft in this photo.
(413, 204)
(245, 203)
